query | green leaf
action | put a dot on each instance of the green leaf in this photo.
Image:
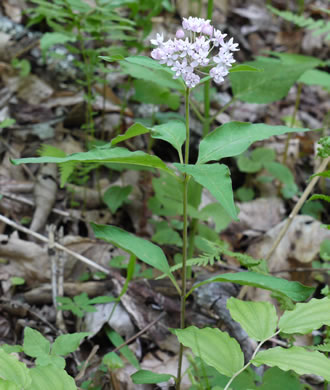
(306, 317)
(50, 378)
(294, 290)
(13, 370)
(16, 281)
(219, 215)
(145, 68)
(133, 131)
(50, 39)
(35, 344)
(325, 250)
(145, 376)
(276, 379)
(272, 84)
(6, 385)
(50, 360)
(233, 138)
(244, 68)
(142, 249)
(296, 359)
(285, 176)
(246, 164)
(117, 340)
(115, 196)
(151, 93)
(165, 235)
(7, 123)
(112, 155)
(173, 132)
(258, 319)
(216, 178)
(320, 196)
(316, 77)
(216, 348)
(67, 343)
(112, 361)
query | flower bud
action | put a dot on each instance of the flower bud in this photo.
(207, 30)
(180, 34)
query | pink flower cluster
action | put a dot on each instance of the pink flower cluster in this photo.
(187, 55)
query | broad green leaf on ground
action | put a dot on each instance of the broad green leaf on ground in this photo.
(145, 376)
(173, 132)
(233, 138)
(6, 385)
(306, 317)
(297, 359)
(219, 215)
(258, 319)
(316, 77)
(35, 344)
(215, 178)
(115, 196)
(276, 379)
(133, 131)
(294, 290)
(112, 155)
(50, 39)
(50, 378)
(67, 343)
(215, 348)
(141, 248)
(151, 93)
(13, 370)
(145, 68)
(272, 84)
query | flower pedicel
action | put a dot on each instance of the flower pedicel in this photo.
(186, 55)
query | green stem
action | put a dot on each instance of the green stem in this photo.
(292, 123)
(185, 240)
(209, 9)
(250, 361)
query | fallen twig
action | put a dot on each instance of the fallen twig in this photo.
(40, 237)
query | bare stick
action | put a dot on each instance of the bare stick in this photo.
(138, 334)
(42, 238)
(297, 207)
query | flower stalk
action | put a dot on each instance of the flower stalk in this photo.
(184, 238)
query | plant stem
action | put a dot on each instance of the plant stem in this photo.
(250, 361)
(292, 123)
(185, 240)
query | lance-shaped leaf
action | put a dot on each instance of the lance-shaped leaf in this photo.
(306, 317)
(112, 155)
(258, 319)
(145, 68)
(133, 131)
(173, 132)
(141, 248)
(216, 178)
(272, 84)
(294, 290)
(216, 348)
(233, 138)
(297, 359)
(146, 376)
